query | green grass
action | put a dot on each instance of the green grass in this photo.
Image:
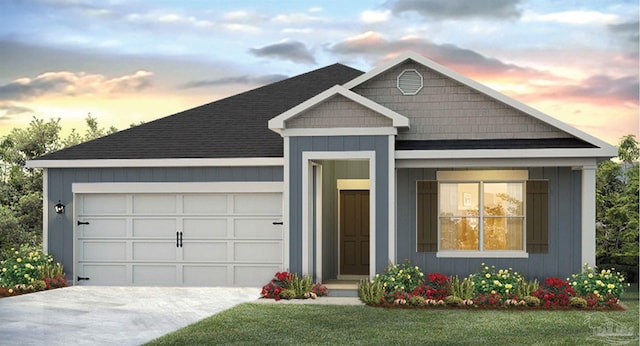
(313, 324)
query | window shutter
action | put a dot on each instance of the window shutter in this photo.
(427, 227)
(537, 216)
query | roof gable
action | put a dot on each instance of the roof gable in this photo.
(543, 123)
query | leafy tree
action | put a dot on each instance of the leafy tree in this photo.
(617, 196)
(21, 187)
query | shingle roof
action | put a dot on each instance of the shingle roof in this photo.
(234, 127)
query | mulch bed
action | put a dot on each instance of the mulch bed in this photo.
(619, 307)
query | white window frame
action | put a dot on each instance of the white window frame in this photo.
(481, 177)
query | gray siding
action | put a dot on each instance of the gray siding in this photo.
(339, 111)
(564, 229)
(298, 145)
(447, 109)
(60, 241)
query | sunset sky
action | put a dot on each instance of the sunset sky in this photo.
(126, 61)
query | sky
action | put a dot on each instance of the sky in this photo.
(132, 61)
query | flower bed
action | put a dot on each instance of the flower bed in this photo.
(29, 270)
(405, 286)
(286, 285)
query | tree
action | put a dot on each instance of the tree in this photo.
(21, 187)
(617, 196)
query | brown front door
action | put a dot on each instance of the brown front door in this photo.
(354, 232)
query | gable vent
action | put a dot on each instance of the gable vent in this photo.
(409, 82)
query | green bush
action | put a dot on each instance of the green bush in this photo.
(370, 292)
(531, 301)
(504, 282)
(416, 301)
(23, 267)
(288, 294)
(300, 285)
(400, 278)
(526, 288)
(453, 300)
(578, 302)
(462, 289)
(600, 283)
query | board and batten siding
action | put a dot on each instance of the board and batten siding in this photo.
(564, 254)
(299, 145)
(60, 232)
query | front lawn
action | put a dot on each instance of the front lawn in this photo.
(315, 324)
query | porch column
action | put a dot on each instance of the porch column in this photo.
(588, 248)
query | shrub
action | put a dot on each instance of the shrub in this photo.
(462, 289)
(416, 301)
(400, 277)
(601, 283)
(435, 287)
(487, 299)
(526, 288)
(296, 286)
(319, 290)
(288, 294)
(578, 302)
(300, 285)
(53, 276)
(554, 291)
(25, 266)
(453, 300)
(370, 292)
(531, 301)
(503, 282)
(275, 287)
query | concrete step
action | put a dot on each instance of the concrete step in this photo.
(342, 288)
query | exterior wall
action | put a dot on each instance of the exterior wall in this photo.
(60, 241)
(298, 145)
(447, 109)
(339, 111)
(564, 255)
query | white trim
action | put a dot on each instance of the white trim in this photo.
(353, 184)
(307, 158)
(178, 162)
(487, 175)
(482, 254)
(340, 131)
(208, 187)
(504, 153)
(606, 147)
(392, 200)
(318, 203)
(285, 204)
(74, 231)
(496, 162)
(307, 220)
(278, 123)
(45, 210)
(588, 239)
(402, 74)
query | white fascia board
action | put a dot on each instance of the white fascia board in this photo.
(340, 131)
(204, 187)
(574, 163)
(278, 123)
(610, 149)
(503, 153)
(107, 163)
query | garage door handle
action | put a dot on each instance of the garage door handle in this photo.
(180, 239)
(278, 223)
(81, 278)
(82, 223)
(177, 239)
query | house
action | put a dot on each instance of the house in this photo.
(333, 173)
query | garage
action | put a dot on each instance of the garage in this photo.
(209, 234)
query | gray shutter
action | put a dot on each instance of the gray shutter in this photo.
(537, 216)
(427, 227)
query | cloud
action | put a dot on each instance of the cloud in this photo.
(372, 16)
(73, 84)
(244, 79)
(629, 31)
(599, 89)
(286, 50)
(459, 9)
(10, 108)
(573, 17)
(296, 18)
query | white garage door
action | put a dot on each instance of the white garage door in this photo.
(193, 239)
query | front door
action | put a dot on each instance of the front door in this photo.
(354, 232)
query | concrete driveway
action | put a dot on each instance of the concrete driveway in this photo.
(110, 315)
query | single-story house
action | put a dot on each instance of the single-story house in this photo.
(334, 173)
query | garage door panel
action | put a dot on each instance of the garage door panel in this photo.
(103, 228)
(205, 204)
(104, 204)
(154, 204)
(154, 251)
(205, 251)
(112, 274)
(205, 228)
(155, 274)
(257, 228)
(258, 252)
(253, 275)
(266, 203)
(155, 228)
(204, 275)
(103, 250)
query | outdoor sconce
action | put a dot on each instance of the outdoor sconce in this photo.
(59, 208)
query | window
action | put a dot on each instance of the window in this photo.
(482, 214)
